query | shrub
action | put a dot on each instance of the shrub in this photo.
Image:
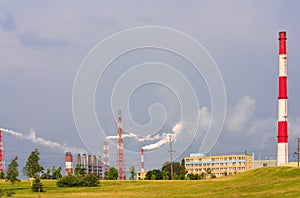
(89, 180)
(67, 181)
(8, 193)
(73, 181)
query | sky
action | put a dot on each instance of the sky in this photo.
(45, 47)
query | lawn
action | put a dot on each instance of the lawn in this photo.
(264, 182)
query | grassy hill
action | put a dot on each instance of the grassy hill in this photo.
(264, 182)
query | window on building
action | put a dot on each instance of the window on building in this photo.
(265, 164)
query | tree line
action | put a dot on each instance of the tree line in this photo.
(35, 172)
(179, 173)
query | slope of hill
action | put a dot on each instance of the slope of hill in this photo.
(264, 182)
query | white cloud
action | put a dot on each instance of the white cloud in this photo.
(205, 118)
(239, 115)
(258, 126)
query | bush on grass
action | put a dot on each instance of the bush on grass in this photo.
(73, 181)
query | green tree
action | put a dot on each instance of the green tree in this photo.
(46, 175)
(56, 172)
(176, 167)
(153, 176)
(183, 170)
(32, 166)
(192, 176)
(106, 175)
(166, 175)
(158, 174)
(196, 176)
(132, 172)
(112, 173)
(37, 185)
(2, 175)
(79, 171)
(12, 171)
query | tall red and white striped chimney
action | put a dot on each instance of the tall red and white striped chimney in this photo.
(69, 163)
(282, 147)
(142, 160)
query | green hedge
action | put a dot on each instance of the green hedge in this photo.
(74, 181)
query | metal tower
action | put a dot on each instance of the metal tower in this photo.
(120, 155)
(106, 156)
(1, 153)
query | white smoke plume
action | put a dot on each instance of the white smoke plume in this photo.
(136, 137)
(165, 138)
(46, 143)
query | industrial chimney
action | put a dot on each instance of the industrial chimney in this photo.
(90, 166)
(95, 165)
(142, 161)
(84, 162)
(282, 147)
(99, 167)
(79, 160)
(69, 163)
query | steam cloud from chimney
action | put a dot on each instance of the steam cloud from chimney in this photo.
(43, 142)
(164, 138)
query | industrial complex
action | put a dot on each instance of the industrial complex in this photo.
(195, 163)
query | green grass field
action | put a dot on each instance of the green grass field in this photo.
(264, 182)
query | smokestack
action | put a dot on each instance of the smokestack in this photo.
(89, 164)
(142, 161)
(282, 147)
(84, 162)
(95, 165)
(79, 160)
(99, 167)
(69, 163)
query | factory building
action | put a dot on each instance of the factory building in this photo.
(220, 165)
(264, 163)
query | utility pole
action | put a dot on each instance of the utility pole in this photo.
(298, 151)
(171, 160)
